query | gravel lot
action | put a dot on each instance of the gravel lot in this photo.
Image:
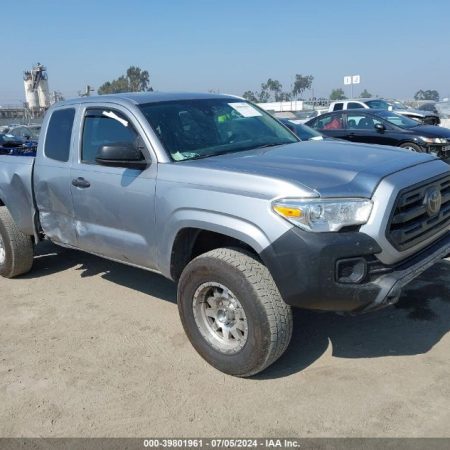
(94, 348)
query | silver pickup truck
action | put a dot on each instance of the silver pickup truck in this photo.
(220, 197)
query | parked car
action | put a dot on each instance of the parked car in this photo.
(12, 145)
(8, 140)
(385, 128)
(426, 117)
(304, 132)
(215, 194)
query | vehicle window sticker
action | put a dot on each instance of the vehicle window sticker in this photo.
(245, 110)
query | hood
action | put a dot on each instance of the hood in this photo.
(425, 113)
(432, 131)
(11, 144)
(415, 112)
(330, 168)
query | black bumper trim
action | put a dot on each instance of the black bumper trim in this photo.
(303, 266)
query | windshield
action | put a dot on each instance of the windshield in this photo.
(398, 120)
(192, 129)
(398, 105)
(304, 132)
(377, 104)
(383, 104)
(23, 133)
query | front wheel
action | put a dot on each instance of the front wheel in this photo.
(232, 311)
(413, 147)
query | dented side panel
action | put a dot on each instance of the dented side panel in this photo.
(52, 185)
(54, 201)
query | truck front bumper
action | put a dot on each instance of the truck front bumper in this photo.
(340, 271)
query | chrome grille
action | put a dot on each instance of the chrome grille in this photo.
(411, 222)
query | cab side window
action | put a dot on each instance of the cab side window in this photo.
(59, 135)
(105, 127)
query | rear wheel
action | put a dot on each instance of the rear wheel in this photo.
(232, 311)
(413, 147)
(16, 248)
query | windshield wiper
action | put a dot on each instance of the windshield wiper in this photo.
(236, 150)
(208, 155)
(199, 157)
(272, 144)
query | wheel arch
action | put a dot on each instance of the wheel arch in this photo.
(192, 241)
(413, 141)
(19, 213)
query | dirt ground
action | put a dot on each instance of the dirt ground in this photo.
(93, 348)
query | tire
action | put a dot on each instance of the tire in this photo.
(259, 322)
(413, 147)
(16, 248)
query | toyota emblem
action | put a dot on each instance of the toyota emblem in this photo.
(433, 201)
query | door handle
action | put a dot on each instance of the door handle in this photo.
(81, 182)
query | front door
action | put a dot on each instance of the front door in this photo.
(361, 128)
(114, 207)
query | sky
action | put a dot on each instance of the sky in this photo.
(230, 46)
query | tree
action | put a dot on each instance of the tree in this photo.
(301, 84)
(337, 94)
(283, 97)
(250, 96)
(365, 94)
(135, 80)
(272, 87)
(427, 95)
(273, 90)
(263, 96)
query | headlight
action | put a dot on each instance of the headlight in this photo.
(324, 215)
(433, 140)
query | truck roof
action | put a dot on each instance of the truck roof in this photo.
(139, 98)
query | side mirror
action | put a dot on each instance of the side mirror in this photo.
(380, 127)
(121, 155)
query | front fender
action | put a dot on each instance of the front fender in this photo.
(235, 227)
